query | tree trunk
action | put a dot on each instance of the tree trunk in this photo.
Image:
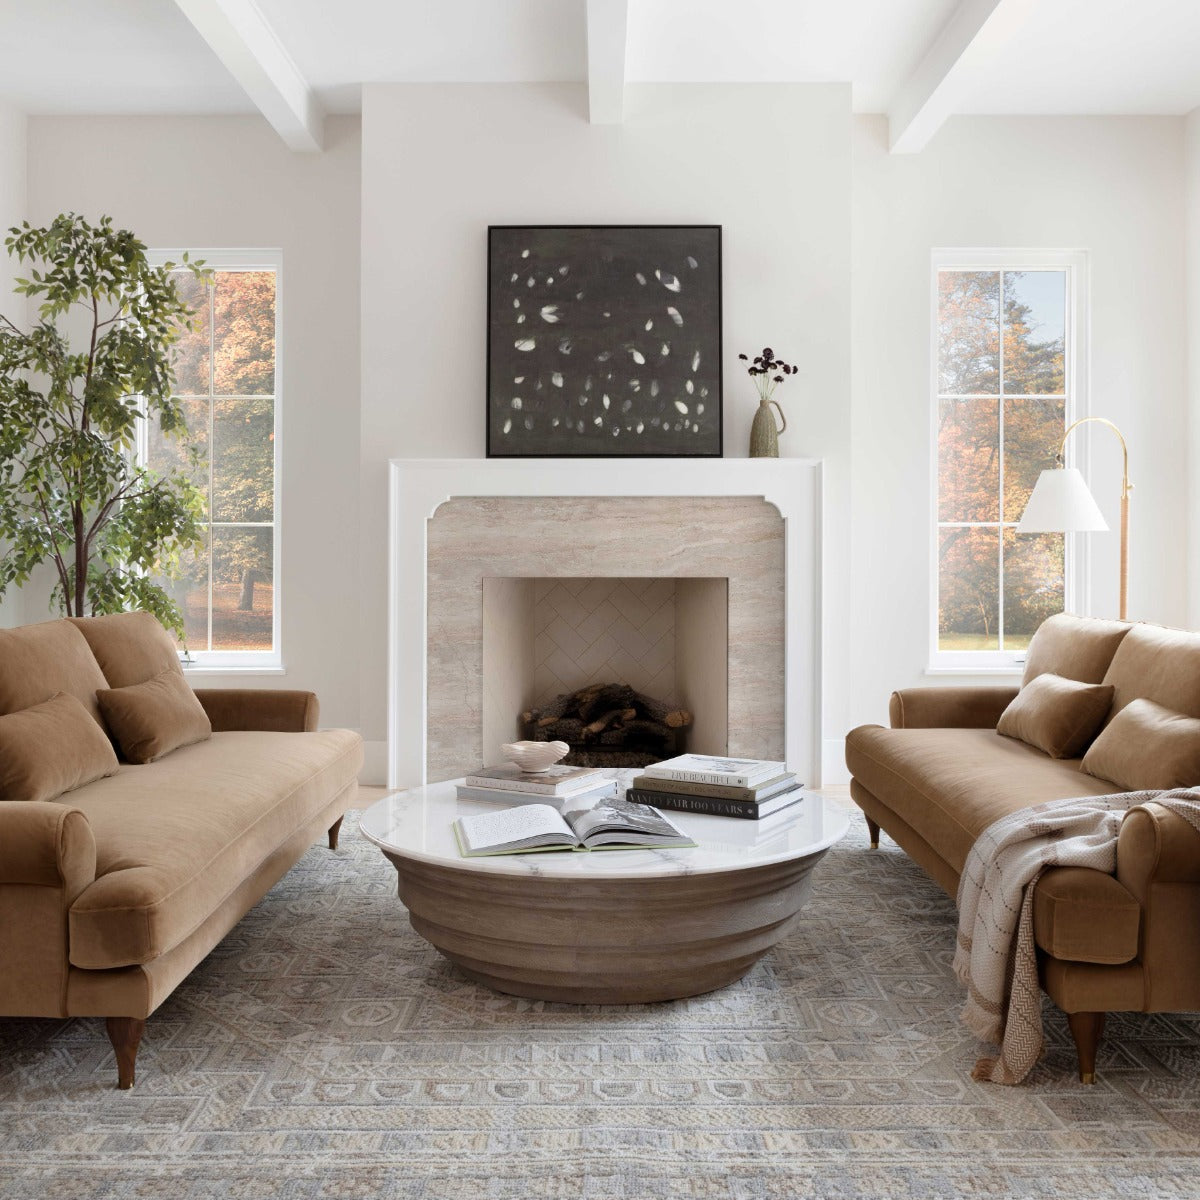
(249, 578)
(81, 559)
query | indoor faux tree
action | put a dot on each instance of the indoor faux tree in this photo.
(72, 491)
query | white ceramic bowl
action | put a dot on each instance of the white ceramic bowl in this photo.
(535, 756)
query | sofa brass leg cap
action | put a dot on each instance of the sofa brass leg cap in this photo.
(1087, 1076)
(874, 843)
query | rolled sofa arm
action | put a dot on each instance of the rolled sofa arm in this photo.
(977, 707)
(47, 858)
(261, 709)
(1156, 845)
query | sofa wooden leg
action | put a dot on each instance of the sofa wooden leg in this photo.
(125, 1033)
(873, 830)
(334, 829)
(1086, 1028)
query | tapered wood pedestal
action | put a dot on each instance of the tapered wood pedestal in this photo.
(604, 941)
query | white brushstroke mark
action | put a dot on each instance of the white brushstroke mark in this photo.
(689, 387)
(598, 421)
(556, 378)
(649, 326)
(550, 313)
(514, 278)
(524, 253)
(563, 270)
(518, 379)
(692, 262)
(699, 410)
(641, 425)
(627, 405)
(637, 356)
(525, 343)
(520, 318)
(668, 281)
(674, 314)
(565, 346)
(654, 387)
(679, 404)
(516, 303)
(666, 349)
(516, 402)
(640, 278)
(695, 362)
(604, 356)
(605, 401)
(508, 425)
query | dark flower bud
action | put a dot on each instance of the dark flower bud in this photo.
(768, 352)
(742, 357)
(778, 378)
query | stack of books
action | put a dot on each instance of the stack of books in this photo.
(748, 788)
(557, 785)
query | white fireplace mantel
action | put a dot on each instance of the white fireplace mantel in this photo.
(420, 486)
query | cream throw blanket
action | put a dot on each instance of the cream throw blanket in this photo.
(996, 957)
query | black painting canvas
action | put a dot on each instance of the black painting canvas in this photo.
(604, 340)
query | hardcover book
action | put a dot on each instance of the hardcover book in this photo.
(719, 791)
(709, 768)
(590, 791)
(716, 807)
(615, 824)
(558, 780)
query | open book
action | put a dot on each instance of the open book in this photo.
(613, 824)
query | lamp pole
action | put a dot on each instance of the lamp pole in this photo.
(1126, 488)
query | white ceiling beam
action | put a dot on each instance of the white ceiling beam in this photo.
(977, 29)
(607, 26)
(238, 34)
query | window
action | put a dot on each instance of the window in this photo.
(1007, 379)
(227, 379)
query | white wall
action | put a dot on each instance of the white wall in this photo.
(1192, 259)
(769, 163)
(13, 130)
(230, 181)
(1112, 186)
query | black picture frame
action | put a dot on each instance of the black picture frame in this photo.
(623, 330)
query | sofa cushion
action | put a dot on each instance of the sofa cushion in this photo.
(1079, 648)
(39, 661)
(1085, 916)
(1157, 664)
(949, 785)
(130, 647)
(1147, 746)
(1056, 715)
(175, 837)
(51, 748)
(153, 718)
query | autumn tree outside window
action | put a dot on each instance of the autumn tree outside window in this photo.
(1008, 376)
(228, 379)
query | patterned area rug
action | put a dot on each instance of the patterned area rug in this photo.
(324, 1050)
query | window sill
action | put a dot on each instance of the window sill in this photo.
(1014, 672)
(199, 669)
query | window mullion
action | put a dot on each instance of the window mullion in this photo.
(1000, 473)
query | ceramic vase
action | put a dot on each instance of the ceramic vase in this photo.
(764, 436)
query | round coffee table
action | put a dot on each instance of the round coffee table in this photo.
(611, 927)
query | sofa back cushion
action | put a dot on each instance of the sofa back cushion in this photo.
(1147, 746)
(153, 718)
(1157, 664)
(1079, 648)
(130, 647)
(1058, 716)
(39, 661)
(51, 748)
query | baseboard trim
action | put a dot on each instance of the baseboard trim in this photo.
(374, 768)
(834, 771)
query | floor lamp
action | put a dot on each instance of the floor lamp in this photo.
(1061, 503)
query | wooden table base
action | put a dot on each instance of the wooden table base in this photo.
(604, 941)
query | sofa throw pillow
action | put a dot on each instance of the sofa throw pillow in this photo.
(1059, 716)
(1147, 746)
(153, 718)
(52, 748)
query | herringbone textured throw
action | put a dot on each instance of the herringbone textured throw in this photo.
(995, 956)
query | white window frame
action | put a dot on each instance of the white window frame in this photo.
(257, 662)
(1076, 591)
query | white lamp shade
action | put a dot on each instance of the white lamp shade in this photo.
(1061, 503)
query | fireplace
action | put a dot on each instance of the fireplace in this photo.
(664, 640)
(725, 552)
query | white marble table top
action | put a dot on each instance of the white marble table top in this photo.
(416, 824)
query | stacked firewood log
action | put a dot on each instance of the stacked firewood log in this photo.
(608, 725)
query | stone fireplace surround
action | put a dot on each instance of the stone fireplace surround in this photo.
(455, 523)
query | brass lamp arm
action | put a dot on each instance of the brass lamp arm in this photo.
(1126, 486)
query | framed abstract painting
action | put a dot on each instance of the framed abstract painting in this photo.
(604, 341)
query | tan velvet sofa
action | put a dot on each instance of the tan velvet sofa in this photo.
(942, 774)
(113, 892)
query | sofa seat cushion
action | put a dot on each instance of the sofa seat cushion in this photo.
(949, 785)
(1085, 916)
(175, 837)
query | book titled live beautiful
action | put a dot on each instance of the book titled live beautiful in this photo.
(710, 768)
(557, 780)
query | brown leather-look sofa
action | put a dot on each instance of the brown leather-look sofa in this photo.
(113, 892)
(941, 774)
